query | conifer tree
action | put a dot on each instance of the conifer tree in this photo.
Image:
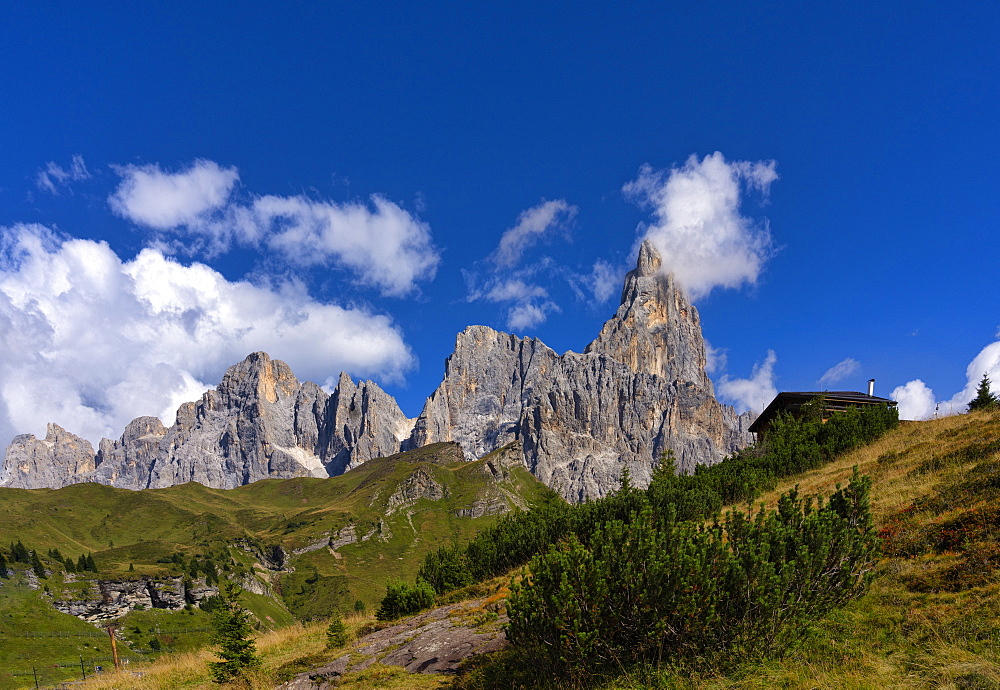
(36, 565)
(69, 565)
(19, 553)
(985, 399)
(91, 566)
(336, 633)
(81, 564)
(3, 566)
(233, 635)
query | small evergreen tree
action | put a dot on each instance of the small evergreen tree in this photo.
(985, 399)
(336, 633)
(69, 565)
(36, 564)
(233, 634)
(3, 566)
(19, 553)
(91, 566)
(81, 564)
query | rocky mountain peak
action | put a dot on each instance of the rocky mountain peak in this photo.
(656, 329)
(575, 420)
(649, 261)
(258, 378)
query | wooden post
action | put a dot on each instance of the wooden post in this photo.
(83, 669)
(114, 647)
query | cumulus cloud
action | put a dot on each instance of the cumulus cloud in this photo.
(162, 200)
(917, 401)
(697, 225)
(752, 393)
(384, 245)
(840, 371)
(92, 340)
(531, 225)
(526, 315)
(381, 243)
(53, 176)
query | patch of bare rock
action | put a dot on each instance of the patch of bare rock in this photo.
(436, 641)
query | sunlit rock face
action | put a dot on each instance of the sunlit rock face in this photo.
(260, 422)
(637, 391)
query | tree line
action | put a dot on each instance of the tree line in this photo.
(19, 553)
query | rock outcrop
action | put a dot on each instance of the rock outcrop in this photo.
(260, 422)
(115, 598)
(436, 641)
(59, 459)
(636, 392)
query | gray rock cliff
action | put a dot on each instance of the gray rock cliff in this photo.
(260, 422)
(638, 390)
(576, 419)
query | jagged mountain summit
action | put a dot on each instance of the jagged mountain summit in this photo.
(638, 390)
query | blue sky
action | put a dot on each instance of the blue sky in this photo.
(347, 186)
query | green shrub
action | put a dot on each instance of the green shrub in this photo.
(660, 588)
(402, 599)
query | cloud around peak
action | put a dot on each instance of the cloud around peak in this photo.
(94, 340)
(697, 222)
(380, 243)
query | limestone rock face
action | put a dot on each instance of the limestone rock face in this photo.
(259, 422)
(575, 420)
(60, 458)
(638, 391)
(361, 422)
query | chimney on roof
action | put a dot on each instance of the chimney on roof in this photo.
(871, 387)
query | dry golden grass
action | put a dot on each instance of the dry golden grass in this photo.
(293, 650)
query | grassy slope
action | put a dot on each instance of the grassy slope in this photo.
(123, 528)
(908, 631)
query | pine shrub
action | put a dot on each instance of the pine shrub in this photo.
(402, 599)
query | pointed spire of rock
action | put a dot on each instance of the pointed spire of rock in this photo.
(656, 330)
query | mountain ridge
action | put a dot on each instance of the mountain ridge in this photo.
(637, 391)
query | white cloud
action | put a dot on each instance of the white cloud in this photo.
(604, 281)
(386, 246)
(531, 225)
(698, 228)
(514, 290)
(752, 393)
(161, 200)
(915, 400)
(53, 175)
(840, 371)
(92, 341)
(715, 358)
(525, 315)
(502, 277)
(986, 362)
(382, 244)
(920, 401)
